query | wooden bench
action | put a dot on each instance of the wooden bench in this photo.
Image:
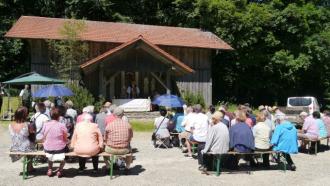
(316, 142)
(218, 158)
(25, 160)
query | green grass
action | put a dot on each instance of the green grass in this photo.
(14, 104)
(142, 126)
(5, 123)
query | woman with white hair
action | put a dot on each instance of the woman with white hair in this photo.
(86, 115)
(70, 111)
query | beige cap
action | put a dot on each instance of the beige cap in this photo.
(261, 107)
(217, 115)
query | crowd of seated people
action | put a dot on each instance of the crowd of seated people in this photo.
(219, 131)
(60, 129)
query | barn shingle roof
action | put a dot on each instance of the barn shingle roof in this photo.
(31, 27)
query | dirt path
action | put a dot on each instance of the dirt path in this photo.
(168, 167)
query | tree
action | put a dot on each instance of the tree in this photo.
(70, 52)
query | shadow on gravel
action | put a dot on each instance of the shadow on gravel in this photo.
(72, 172)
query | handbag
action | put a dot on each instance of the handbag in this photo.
(153, 136)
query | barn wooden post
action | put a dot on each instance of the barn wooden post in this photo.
(101, 81)
(168, 81)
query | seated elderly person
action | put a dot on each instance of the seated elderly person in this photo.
(322, 129)
(87, 141)
(199, 127)
(217, 140)
(241, 138)
(310, 130)
(262, 134)
(87, 112)
(161, 130)
(326, 120)
(284, 139)
(19, 133)
(118, 135)
(186, 124)
(55, 138)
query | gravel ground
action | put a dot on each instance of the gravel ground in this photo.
(167, 167)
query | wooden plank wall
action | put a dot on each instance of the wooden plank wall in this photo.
(39, 58)
(200, 60)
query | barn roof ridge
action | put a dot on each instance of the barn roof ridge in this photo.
(33, 27)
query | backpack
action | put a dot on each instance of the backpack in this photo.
(33, 128)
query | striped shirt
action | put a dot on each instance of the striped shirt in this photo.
(118, 134)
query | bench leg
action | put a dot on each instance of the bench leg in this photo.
(316, 148)
(218, 165)
(25, 165)
(193, 148)
(112, 161)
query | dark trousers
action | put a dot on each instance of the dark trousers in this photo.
(82, 162)
(288, 158)
(265, 157)
(26, 103)
(200, 147)
(208, 161)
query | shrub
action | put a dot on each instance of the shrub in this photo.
(193, 99)
(82, 97)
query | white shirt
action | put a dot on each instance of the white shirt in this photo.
(200, 123)
(40, 119)
(21, 93)
(72, 113)
(187, 121)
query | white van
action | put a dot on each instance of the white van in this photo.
(308, 104)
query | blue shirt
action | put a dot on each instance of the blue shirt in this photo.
(284, 138)
(178, 118)
(241, 138)
(322, 130)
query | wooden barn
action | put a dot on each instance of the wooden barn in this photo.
(130, 61)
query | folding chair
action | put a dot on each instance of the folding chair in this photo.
(161, 142)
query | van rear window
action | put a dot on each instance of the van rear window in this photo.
(300, 101)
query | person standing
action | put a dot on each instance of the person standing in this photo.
(2, 93)
(26, 97)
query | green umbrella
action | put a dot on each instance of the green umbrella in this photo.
(33, 78)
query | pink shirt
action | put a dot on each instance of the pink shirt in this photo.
(87, 139)
(55, 135)
(310, 126)
(85, 116)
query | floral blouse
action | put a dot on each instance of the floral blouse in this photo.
(20, 141)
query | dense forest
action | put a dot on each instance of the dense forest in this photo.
(282, 47)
